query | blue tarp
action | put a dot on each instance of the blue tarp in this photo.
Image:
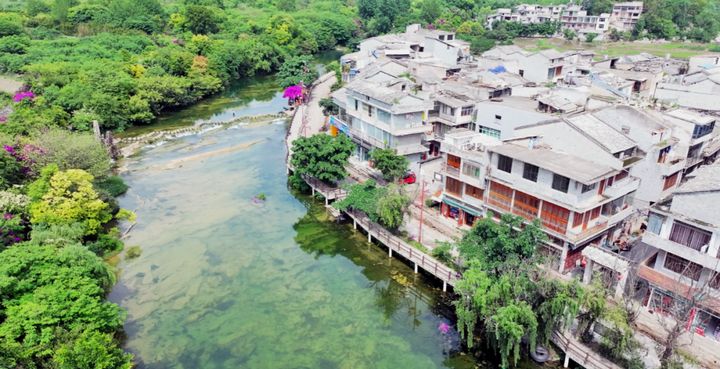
(499, 69)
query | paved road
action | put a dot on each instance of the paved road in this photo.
(309, 119)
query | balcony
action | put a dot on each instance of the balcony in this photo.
(671, 167)
(622, 187)
(702, 258)
(455, 172)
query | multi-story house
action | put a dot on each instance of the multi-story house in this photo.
(578, 20)
(538, 67)
(685, 230)
(577, 201)
(661, 167)
(625, 15)
(384, 113)
(695, 133)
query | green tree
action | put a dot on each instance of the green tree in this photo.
(504, 247)
(92, 350)
(71, 198)
(201, 20)
(569, 34)
(295, 70)
(392, 165)
(392, 206)
(590, 36)
(430, 10)
(597, 7)
(322, 156)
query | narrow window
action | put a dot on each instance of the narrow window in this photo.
(530, 172)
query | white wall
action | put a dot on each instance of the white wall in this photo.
(511, 117)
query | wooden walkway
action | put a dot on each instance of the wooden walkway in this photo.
(394, 244)
(398, 246)
(581, 353)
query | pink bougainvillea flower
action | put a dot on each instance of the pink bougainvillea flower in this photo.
(293, 92)
(26, 95)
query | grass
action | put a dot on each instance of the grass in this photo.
(681, 50)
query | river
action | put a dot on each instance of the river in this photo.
(227, 282)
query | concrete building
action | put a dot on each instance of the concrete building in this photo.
(526, 14)
(578, 20)
(383, 111)
(538, 67)
(685, 230)
(442, 47)
(569, 194)
(625, 15)
(663, 162)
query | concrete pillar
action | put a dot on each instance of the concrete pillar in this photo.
(567, 361)
(444, 286)
(563, 256)
(620, 288)
(369, 236)
(327, 202)
(587, 275)
(354, 224)
(649, 301)
(389, 252)
(313, 191)
(416, 268)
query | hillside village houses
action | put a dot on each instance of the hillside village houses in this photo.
(587, 146)
(623, 17)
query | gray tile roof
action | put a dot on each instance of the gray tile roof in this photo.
(612, 140)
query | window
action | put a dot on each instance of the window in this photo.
(471, 170)
(500, 196)
(525, 205)
(682, 266)
(453, 161)
(466, 110)
(670, 180)
(498, 117)
(530, 172)
(578, 219)
(702, 130)
(356, 105)
(655, 222)
(588, 188)
(560, 183)
(370, 109)
(594, 213)
(453, 186)
(684, 234)
(473, 191)
(489, 131)
(555, 217)
(383, 116)
(621, 175)
(505, 163)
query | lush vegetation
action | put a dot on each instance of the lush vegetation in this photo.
(321, 156)
(122, 62)
(507, 299)
(386, 205)
(58, 223)
(387, 161)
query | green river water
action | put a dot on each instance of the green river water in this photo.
(225, 282)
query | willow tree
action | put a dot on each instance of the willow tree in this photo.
(504, 295)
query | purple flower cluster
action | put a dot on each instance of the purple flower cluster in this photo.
(25, 95)
(24, 155)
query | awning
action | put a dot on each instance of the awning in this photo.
(461, 205)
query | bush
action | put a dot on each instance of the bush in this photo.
(443, 252)
(105, 244)
(113, 186)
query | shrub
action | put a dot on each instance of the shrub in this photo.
(113, 186)
(133, 252)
